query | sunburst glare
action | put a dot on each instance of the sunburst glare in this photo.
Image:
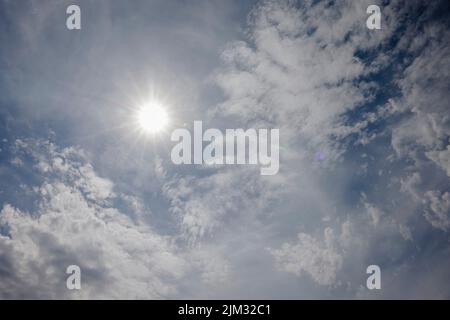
(152, 117)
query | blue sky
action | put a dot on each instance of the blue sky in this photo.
(364, 150)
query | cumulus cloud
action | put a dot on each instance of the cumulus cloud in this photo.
(76, 224)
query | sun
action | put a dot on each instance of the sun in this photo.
(152, 117)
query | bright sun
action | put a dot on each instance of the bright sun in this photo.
(152, 118)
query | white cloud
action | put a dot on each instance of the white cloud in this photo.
(204, 205)
(441, 158)
(438, 213)
(425, 95)
(405, 232)
(374, 213)
(298, 70)
(318, 258)
(75, 221)
(75, 225)
(411, 184)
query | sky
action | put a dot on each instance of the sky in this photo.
(364, 175)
